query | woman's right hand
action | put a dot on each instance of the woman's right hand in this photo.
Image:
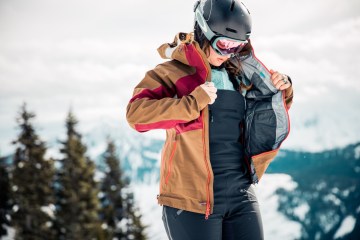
(211, 90)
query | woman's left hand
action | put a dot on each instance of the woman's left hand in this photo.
(280, 81)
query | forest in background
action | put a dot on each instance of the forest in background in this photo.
(47, 198)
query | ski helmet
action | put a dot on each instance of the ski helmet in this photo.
(223, 18)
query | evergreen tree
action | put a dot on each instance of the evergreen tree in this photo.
(4, 200)
(134, 227)
(118, 212)
(32, 183)
(111, 200)
(77, 198)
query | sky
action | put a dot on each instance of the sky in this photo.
(89, 55)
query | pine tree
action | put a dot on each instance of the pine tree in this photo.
(77, 198)
(134, 227)
(4, 200)
(32, 183)
(111, 200)
(118, 211)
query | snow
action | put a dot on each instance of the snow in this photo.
(10, 233)
(346, 227)
(98, 175)
(301, 211)
(151, 155)
(276, 225)
(357, 152)
(49, 210)
(332, 198)
(15, 208)
(151, 211)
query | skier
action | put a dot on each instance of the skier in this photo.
(225, 116)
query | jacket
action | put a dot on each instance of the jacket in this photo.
(169, 97)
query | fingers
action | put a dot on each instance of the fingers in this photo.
(212, 96)
(279, 80)
(210, 87)
(211, 90)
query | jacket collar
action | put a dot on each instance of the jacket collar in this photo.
(185, 50)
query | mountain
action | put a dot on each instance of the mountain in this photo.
(303, 195)
(323, 201)
(326, 201)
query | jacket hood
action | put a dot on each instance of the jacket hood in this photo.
(185, 50)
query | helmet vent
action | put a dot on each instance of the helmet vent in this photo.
(232, 5)
(231, 30)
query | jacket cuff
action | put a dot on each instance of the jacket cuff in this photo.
(201, 97)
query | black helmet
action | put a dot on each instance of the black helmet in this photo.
(228, 18)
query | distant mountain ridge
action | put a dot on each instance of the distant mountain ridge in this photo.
(328, 191)
(326, 201)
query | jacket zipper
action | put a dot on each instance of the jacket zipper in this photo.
(163, 165)
(207, 213)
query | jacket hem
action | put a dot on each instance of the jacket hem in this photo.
(192, 205)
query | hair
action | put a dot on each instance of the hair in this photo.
(233, 69)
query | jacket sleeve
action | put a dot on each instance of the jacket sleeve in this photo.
(153, 105)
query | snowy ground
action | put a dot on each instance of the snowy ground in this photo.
(276, 225)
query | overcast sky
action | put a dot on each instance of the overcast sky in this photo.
(90, 54)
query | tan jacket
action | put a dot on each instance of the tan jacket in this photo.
(169, 97)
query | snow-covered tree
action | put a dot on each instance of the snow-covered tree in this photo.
(4, 200)
(77, 195)
(134, 227)
(111, 200)
(32, 183)
(119, 214)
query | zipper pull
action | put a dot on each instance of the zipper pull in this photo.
(207, 211)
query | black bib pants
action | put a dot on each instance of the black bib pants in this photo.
(236, 212)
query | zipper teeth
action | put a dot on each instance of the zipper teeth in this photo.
(249, 128)
(204, 147)
(163, 164)
(207, 168)
(170, 162)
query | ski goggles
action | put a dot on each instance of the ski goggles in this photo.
(227, 46)
(221, 44)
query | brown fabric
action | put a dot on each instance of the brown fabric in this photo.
(262, 161)
(145, 110)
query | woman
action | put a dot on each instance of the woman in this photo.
(225, 117)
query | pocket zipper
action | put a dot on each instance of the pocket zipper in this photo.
(170, 163)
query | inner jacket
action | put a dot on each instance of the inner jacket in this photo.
(170, 97)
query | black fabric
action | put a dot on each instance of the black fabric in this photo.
(225, 116)
(263, 121)
(236, 213)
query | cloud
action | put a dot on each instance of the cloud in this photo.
(91, 54)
